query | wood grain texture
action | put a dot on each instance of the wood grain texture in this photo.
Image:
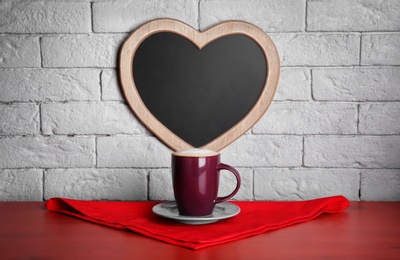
(366, 230)
(200, 39)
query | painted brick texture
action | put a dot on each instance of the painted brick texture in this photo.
(19, 51)
(38, 85)
(44, 17)
(333, 127)
(125, 16)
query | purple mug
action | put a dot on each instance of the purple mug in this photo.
(195, 179)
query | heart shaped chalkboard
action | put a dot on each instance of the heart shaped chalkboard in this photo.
(198, 89)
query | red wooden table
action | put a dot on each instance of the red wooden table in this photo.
(366, 230)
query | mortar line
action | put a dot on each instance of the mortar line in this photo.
(334, 135)
(88, 33)
(305, 16)
(91, 17)
(95, 153)
(303, 152)
(312, 84)
(242, 167)
(43, 183)
(337, 66)
(40, 118)
(359, 186)
(253, 183)
(41, 52)
(198, 15)
(123, 102)
(101, 85)
(360, 51)
(358, 119)
(148, 185)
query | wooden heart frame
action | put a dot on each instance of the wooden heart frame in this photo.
(200, 39)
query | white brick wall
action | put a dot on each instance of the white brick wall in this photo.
(380, 49)
(32, 85)
(45, 17)
(317, 49)
(81, 50)
(333, 128)
(353, 15)
(87, 118)
(356, 84)
(19, 51)
(47, 152)
(125, 16)
(287, 15)
(295, 184)
(102, 184)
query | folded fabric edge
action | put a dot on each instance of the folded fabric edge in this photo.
(60, 205)
(334, 204)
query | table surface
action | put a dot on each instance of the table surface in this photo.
(365, 230)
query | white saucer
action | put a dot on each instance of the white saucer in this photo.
(222, 210)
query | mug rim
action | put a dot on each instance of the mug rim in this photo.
(196, 153)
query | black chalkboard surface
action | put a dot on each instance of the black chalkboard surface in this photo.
(198, 89)
(199, 93)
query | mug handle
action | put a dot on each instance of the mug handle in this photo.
(223, 166)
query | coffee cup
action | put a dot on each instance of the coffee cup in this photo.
(195, 179)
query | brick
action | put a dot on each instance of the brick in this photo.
(132, 151)
(46, 152)
(380, 185)
(354, 15)
(49, 84)
(354, 152)
(308, 118)
(380, 118)
(161, 188)
(228, 184)
(19, 119)
(356, 84)
(21, 185)
(270, 15)
(305, 184)
(44, 17)
(89, 118)
(264, 151)
(19, 51)
(160, 185)
(110, 88)
(380, 49)
(294, 84)
(96, 184)
(81, 50)
(313, 49)
(127, 16)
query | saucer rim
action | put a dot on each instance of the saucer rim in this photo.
(196, 219)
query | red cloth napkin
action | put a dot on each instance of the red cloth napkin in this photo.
(256, 217)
